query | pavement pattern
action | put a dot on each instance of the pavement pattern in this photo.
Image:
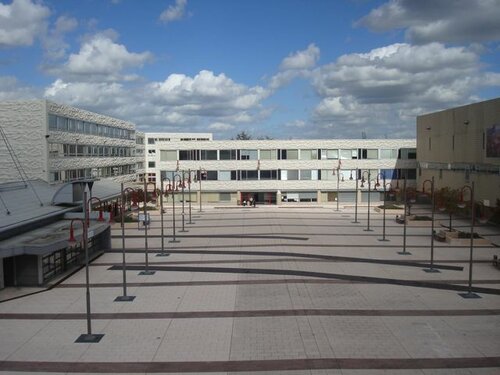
(267, 290)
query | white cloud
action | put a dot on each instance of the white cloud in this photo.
(381, 89)
(305, 59)
(54, 43)
(220, 126)
(438, 20)
(297, 64)
(296, 124)
(22, 22)
(101, 58)
(174, 12)
(12, 89)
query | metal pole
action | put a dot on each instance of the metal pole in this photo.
(162, 253)
(369, 194)
(433, 203)
(356, 204)
(146, 270)
(189, 191)
(338, 180)
(404, 252)
(124, 297)
(173, 212)
(88, 337)
(87, 284)
(200, 188)
(383, 220)
(183, 204)
(470, 294)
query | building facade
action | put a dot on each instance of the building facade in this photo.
(281, 171)
(59, 143)
(461, 145)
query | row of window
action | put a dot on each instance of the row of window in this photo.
(83, 127)
(76, 174)
(152, 141)
(287, 154)
(58, 150)
(298, 174)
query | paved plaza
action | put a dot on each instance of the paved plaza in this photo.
(268, 290)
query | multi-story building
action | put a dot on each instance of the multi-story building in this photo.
(460, 145)
(58, 143)
(276, 171)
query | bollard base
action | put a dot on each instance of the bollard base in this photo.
(174, 241)
(89, 339)
(469, 295)
(431, 270)
(355, 222)
(162, 254)
(124, 299)
(404, 253)
(383, 239)
(368, 230)
(183, 230)
(146, 273)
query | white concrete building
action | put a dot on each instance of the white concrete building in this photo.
(276, 171)
(58, 143)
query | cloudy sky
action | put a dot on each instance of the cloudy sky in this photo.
(282, 68)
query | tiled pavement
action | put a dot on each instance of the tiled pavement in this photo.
(214, 322)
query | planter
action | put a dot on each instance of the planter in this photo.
(453, 239)
(412, 222)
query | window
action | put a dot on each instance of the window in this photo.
(389, 174)
(388, 154)
(151, 141)
(330, 154)
(168, 155)
(289, 154)
(249, 155)
(151, 164)
(224, 197)
(249, 175)
(189, 155)
(211, 175)
(364, 153)
(269, 175)
(53, 122)
(227, 155)
(62, 124)
(268, 154)
(349, 154)
(309, 154)
(407, 153)
(208, 154)
(328, 175)
(290, 174)
(224, 176)
(152, 152)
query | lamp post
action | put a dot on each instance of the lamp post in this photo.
(383, 217)
(431, 269)
(88, 207)
(356, 199)
(88, 337)
(338, 181)
(369, 193)
(162, 253)
(189, 192)
(469, 293)
(173, 189)
(200, 177)
(146, 271)
(124, 297)
(404, 252)
(183, 214)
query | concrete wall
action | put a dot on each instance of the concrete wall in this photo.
(25, 125)
(451, 146)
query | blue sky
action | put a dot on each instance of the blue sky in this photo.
(281, 68)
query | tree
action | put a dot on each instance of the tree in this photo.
(447, 199)
(243, 136)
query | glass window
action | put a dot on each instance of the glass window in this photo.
(309, 154)
(79, 126)
(349, 154)
(290, 174)
(189, 155)
(305, 174)
(151, 164)
(268, 154)
(168, 155)
(289, 154)
(53, 122)
(208, 154)
(224, 197)
(328, 175)
(224, 175)
(329, 154)
(249, 175)
(212, 175)
(227, 155)
(269, 175)
(249, 155)
(62, 124)
(151, 141)
(388, 154)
